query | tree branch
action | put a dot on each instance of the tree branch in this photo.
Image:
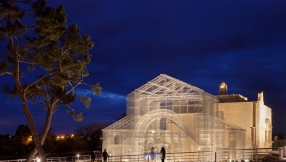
(9, 73)
(17, 44)
(27, 63)
(73, 87)
(46, 95)
(39, 80)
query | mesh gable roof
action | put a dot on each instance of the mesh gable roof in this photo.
(164, 85)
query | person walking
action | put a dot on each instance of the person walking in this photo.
(105, 155)
(163, 154)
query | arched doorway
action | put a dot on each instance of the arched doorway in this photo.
(154, 128)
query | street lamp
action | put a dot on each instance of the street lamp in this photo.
(77, 157)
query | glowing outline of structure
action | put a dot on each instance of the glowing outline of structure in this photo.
(168, 112)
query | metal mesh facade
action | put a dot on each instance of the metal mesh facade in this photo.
(168, 112)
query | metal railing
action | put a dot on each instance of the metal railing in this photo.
(235, 155)
(78, 158)
(227, 155)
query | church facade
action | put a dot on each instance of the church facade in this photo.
(183, 118)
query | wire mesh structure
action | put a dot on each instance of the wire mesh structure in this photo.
(166, 112)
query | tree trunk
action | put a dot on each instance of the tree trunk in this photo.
(31, 122)
(32, 155)
(42, 138)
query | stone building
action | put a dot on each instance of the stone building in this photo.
(183, 118)
(253, 116)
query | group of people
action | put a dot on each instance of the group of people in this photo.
(152, 155)
(162, 154)
(104, 156)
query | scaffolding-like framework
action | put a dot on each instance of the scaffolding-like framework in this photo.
(168, 112)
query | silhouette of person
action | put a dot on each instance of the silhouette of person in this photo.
(92, 156)
(105, 155)
(163, 154)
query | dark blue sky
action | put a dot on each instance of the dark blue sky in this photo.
(199, 42)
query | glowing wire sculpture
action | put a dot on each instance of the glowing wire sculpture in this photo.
(168, 112)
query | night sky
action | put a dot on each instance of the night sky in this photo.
(202, 43)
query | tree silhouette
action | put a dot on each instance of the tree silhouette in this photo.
(90, 136)
(23, 134)
(40, 44)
